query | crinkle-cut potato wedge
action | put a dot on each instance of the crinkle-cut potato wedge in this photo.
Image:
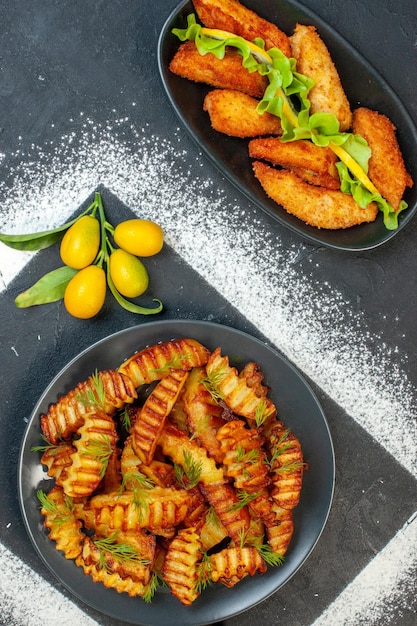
(386, 164)
(204, 414)
(222, 497)
(314, 61)
(226, 73)
(212, 532)
(64, 528)
(93, 449)
(232, 16)
(231, 565)
(152, 416)
(180, 565)
(154, 362)
(241, 398)
(234, 113)
(57, 459)
(279, 535)
(287, 466)
(157, 472)
(317, 206)
(112, 580)
(67, 415)
(299, 156)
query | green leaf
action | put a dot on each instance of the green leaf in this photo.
(131, 306)
(49, 288)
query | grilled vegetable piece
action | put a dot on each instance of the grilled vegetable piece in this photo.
(386, 165)
(151, 418)
(319, 207)
(234, 113)
(158, 510)
(279, 534)
(236, 393)
(232, 16)
(64, 527)
(232, 564)
(226, 73)
(112, 580)
(108, 390)
(180, 565)
(189, 455)
(287, 466)
(314, 61)
(204, 414)
(154, 362)
(315, 164)
(232, 514)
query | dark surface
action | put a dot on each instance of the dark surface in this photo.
(97, 57)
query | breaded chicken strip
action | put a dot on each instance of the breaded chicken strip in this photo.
(319, 207)
(234, 113)
(232, 16)
(386, 165)
(313, 163)
(227, 72)
(314, 61)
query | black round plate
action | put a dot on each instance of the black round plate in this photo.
(361, 83)
(298, 408)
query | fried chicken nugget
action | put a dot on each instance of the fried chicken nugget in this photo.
(234, 113)
(317, 206)
(232, 16)
(314, 60)
(386, 165)
(224, 73)
(313, 163)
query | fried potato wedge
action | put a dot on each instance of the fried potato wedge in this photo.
(233, 564)
(287, 466)
(112, 580)
(233, 516)
(154, 362)
(240, 397)
(64, 528)
(151, 419)
(234, 113)
(319, 207)
(109, 390)
(180, 565)
(93, 449)
(314, 61)
(279, 535)
(386, 165)
(314, 163)
(57, 459)
(232, 16)
(226, 73)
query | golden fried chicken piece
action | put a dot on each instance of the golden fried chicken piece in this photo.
(319, 207)
(314, 61)
(180, 565)
(233, 389)
(314, 163)
(154, 362)
(234, 113)
(287, 466)
(227, 73)
(386, 165)
(151, 417)
(232, 16)
(64, 527)
(109, 390)
(93, 450)
(204, 413)
(231, 565)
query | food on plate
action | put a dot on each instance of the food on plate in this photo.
(386, 165)
(320, 207)
(232, 16)
(235, 113)
(186, 477)
(302, 88)
(226, 73)
(313, 60)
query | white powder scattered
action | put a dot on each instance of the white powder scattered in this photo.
(378, 589)
(26, 599)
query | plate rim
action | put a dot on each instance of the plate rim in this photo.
(168, 324)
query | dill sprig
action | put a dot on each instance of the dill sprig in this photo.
(120, 552)
(243, 499)
(188, 474)
(174, 363)
(203, 573)
(212, 381)
(262, 413)
(279, 446)
(63, 512)
(138, 484)
(155, 581)
(101, 450)
(212, 517)
(264, 549)
(125, 419)
(247, 456)
(94, 395)
(290, 466)
(52, 447)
